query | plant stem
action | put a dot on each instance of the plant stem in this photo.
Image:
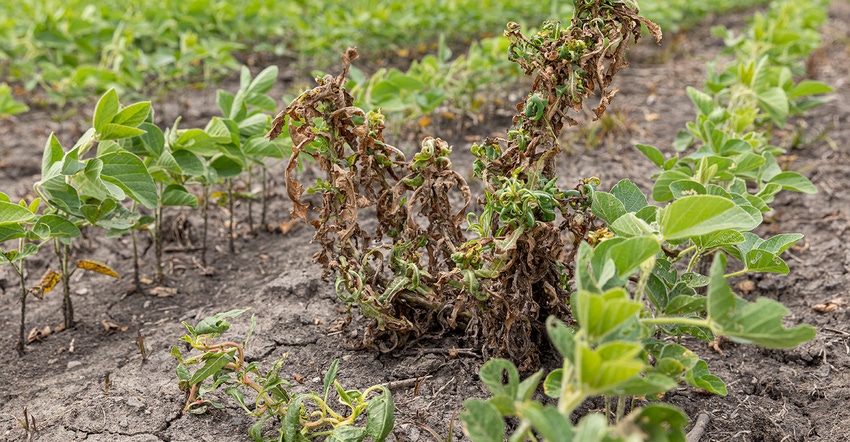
(263, 196)
(157, 236)
(250, 202)
(22, 339)
(136, 279)
(738, 273)
(676, 320)
(206, 219)
(62, 251)
(621, 408)
(230, 245)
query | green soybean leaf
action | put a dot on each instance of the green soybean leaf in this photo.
(631, 253)
(105, 110)
(774, 102)
(561, 337)
(528, 385)
(62, 195)
(13, 231)
(59, 226)
(189, 163)
(52, 157)
(779, 243)
(212, 365)
(264, 81)
(196, 141)
(757, 322)
(810, 87)
(133, 115)
(482, 421)
(607, 206)
(794, 181)
(346, 434)
(591, 428)
(764, 261)
(330, 375)
(650, 385)
(112, 131)
(630, 195)
(703, 101)
(630, 225)
(256, 430)
(177, 195)
(660, 423)
(492, 373)
(14, 214)
(292, 421)
(547, 422)
(609, 364)
(652, 153)
(153, 139)
(552, 383)
(380, 415)
(720, 238)
(683, 188)
(661, 189)
(699, 377)
(702, 214)
(226, 167)
(128, 172)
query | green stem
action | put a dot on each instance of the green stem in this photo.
(230, 245)
(250, 201)
(621, 408)
(694, 260)
(738, 273)
(206, 211)
(263, 197)
(676, 320)
(22, 339)
(158, 236)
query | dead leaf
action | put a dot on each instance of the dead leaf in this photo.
(746, 286)
(109, 326)
(829, 306)
(145, 281)
(163, 292)
(289, 226)
(48, 281)
(298, 378)
(37, 334)
(651, 117)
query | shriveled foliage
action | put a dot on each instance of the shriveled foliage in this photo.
(431, 266)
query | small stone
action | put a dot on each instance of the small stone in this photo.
(135, 402)
(123, 423)
(82, 291)
(74, 364)
(147, 304)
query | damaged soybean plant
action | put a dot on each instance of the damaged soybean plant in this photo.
(432, 263)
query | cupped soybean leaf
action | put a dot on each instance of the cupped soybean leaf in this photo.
(652, 153)
(552, 383)
(105, 110)
(482, 421)
(177, 195)
(683, 188)
(661, 189)
(52, 157)
(212, 366)
(648, 214)
(347, 433)
(547, 421)
(630, 225)
(602, 314)
(630, 195)
(702, 214)
(659, 423)
(628, 255)
(794, 181)
(607, 206)
(380, 415)
(128, 172)
(704, 102)
(757, 322)
(216, 324)
(112, 131)
(59, 226)
(492, 374)
(153, 139)
(561, 337)
(699, 377)
(133, 115)
(62, 195)
(14, 214)
(609, 364)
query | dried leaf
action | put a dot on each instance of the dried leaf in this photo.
(97, 266)
(828, 307)
(163, 292)
(37, 334)
(746, 286)
(145, 281)
(48, 281)
(289, 226)
(111, 326)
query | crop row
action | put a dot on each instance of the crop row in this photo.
(70, 50)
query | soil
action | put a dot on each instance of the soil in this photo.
(774, 396)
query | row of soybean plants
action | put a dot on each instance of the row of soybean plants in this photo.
(124, 170)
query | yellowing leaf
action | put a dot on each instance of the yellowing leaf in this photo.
(48, 281)
(96, 266)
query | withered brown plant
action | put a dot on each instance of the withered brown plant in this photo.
(429, 265)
